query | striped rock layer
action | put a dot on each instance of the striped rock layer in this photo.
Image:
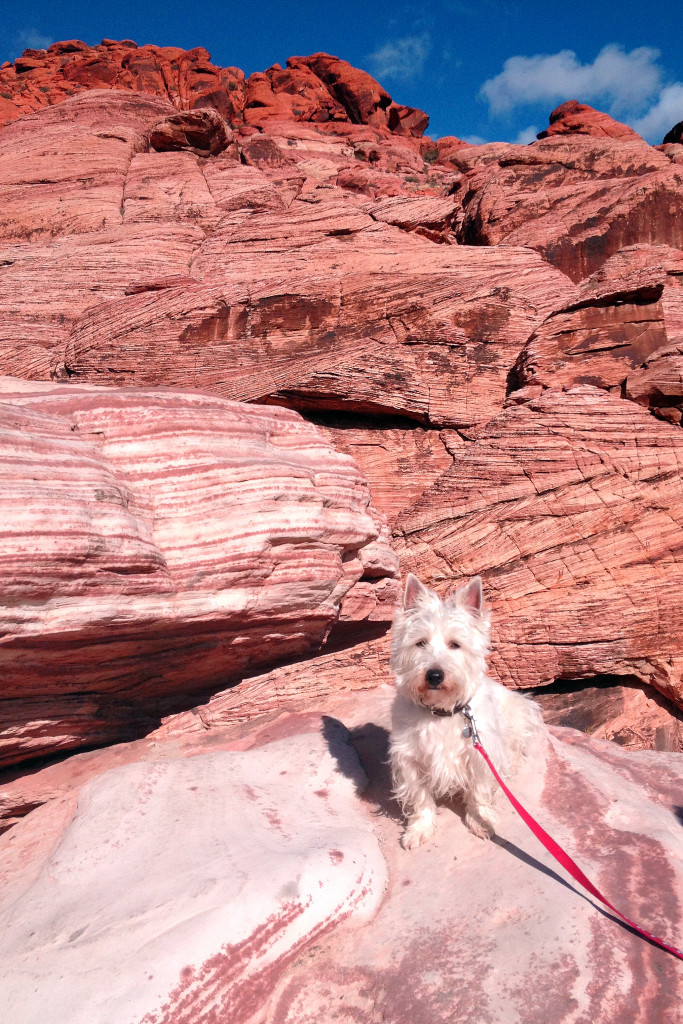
(159, 545)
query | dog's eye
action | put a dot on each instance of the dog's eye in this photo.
(454, 645)
(421, 643)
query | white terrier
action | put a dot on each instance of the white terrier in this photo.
(438, 655)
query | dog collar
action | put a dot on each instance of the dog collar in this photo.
(443, 713)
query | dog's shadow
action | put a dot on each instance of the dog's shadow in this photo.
(369, 745)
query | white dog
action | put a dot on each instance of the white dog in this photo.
(438, 655)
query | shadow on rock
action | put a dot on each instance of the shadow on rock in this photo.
(362, 754)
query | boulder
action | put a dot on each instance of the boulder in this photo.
(203, 132)
(162, 544)
(255, 872)
(574, 118)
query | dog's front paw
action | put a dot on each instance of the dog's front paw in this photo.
(481, 826)
(416, 835)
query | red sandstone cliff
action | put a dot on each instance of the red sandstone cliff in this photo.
(265, 346)
(293, 240)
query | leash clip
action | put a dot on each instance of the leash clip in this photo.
(471, 729)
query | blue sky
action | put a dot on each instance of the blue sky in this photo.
(483, 70)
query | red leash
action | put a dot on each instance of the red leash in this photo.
(556, 850)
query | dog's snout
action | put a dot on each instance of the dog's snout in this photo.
(434, 677)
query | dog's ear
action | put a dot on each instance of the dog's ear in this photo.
(414, 591)
(470, 596)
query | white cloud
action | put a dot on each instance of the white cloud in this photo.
(29, 39)
(403, 58)
(666, 112)
(527, 135)
(624, 81)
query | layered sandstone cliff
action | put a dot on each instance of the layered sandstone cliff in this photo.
(443, 313)
(264, 347)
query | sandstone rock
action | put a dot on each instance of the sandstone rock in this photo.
(289, 689)
(190, 541)
(395, 325)
(293, 94)
(318, 88)
(574, 118)
(576, 200)
(256, 883)
(430, 217)
(186, 78)
(400, 459)
(227, 237)
(675, 134)
(45, 285)
(203, 132)
(63, 170)
(571, 508)
(625, 333)
(168, 187)
(472, 946)
(224, 855)
(363, 98)
(633, 715)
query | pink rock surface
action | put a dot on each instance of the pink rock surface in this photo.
(570, 505)
(190, 541)
(625, 333)
(400, 460)
(246, 865)
(208, 870)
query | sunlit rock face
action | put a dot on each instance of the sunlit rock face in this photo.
(160, 544)
(267, 346)
(467, 323)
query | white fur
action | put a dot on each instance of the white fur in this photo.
(431, 758)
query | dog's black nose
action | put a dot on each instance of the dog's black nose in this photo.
(434, 677)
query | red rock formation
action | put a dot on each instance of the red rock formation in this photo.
(625, 333)
(576, 200)
(574, 118)
(570, 506)
(318, 88)
(187, 78)
(674, 135)
(388, 322)
(168, 564)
